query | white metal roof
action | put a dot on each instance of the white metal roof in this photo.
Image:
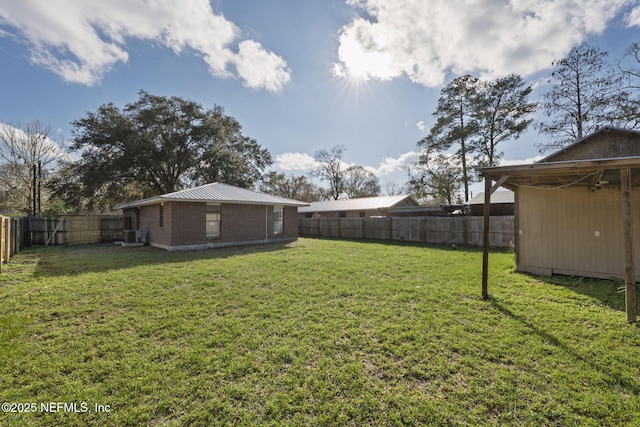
(216, 192)
(497, 197)
(360, 204)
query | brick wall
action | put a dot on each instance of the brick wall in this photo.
(290, 222)
(245, 222)
(184, 223)
(188, 223)
(150, 220)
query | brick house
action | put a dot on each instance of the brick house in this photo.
(213, 215)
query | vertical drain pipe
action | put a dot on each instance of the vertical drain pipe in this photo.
(266, 224)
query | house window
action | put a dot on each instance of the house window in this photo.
(342, 214)
(362, 214)
(212, 220)
(278, 220)
(161, 216)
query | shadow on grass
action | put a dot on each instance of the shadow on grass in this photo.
(403, 243)
(632, 386)
(96, 258)
(609, 292)
(54, 261)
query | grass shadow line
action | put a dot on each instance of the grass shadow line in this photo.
(97, 258)
(630, 386)
(404, 243)
(610, 292)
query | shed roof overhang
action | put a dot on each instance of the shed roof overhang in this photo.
(587, 173)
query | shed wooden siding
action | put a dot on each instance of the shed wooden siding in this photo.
(556, 231)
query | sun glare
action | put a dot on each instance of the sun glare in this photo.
(358, 69)
(362, 65)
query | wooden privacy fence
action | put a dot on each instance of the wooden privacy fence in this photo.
(5, 240)
(70, 230)
(459, 230)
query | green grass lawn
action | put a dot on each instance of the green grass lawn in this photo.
(316, 332)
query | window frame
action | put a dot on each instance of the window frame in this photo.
(278, 220)
(207, 221)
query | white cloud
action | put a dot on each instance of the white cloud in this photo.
(394, 164)
(633, 19)
(421, 125)
(38, 136)
(504, 162)
(81, 40)
(425, 40)
(272, 74)
(295, 162)
(304, 163)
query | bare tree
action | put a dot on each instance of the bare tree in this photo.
(629, 99)
(330, 169)
(438, 177)
(583, 97)
(394, 189)
(25, 152)
(292, 187)
(359, 182)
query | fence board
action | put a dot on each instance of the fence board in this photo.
(459, 230)
(377, 228)
(81, 229)
(7, 238)
(67, 230)
(3, 235)
(111, 228)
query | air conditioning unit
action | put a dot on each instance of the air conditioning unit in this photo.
(130, 236)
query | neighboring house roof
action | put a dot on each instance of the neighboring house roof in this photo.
(415, 209)
(360, 204)
(497, 197)
(216, 192)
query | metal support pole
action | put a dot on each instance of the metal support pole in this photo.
(485, 237)
(34, 211)
(39, 185)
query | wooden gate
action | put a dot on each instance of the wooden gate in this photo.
(73, 229)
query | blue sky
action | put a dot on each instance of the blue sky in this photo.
(299, 76)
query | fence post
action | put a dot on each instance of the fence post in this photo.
(1, 242)
(7, 242)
